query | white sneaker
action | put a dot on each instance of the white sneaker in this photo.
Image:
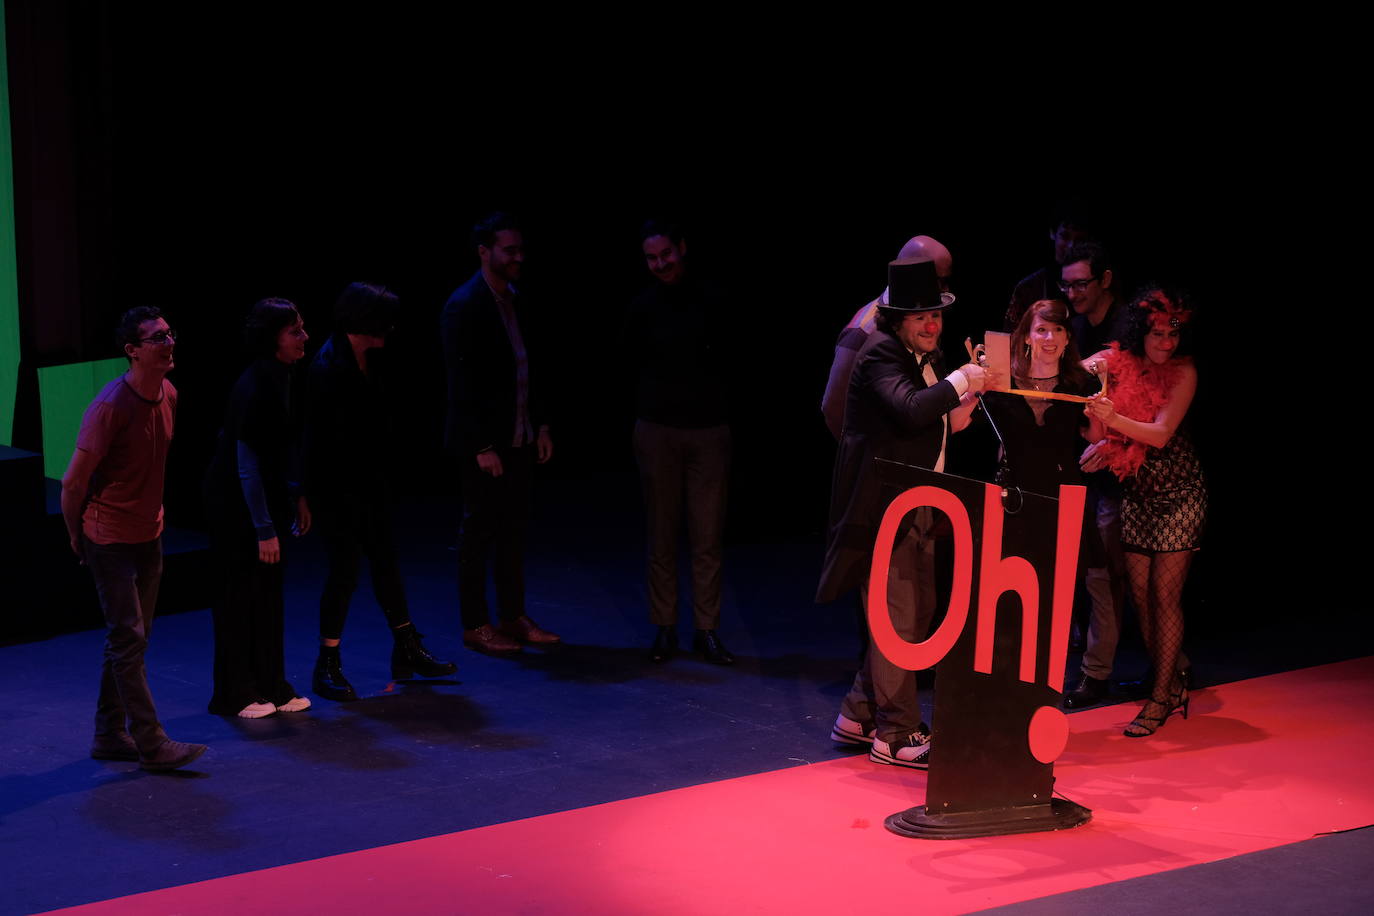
(847, 731)
(912, 751)
(257, 710)
(295, 704)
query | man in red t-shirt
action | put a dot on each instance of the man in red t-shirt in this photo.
(112, 504)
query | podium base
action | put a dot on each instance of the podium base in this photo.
(1059, 814)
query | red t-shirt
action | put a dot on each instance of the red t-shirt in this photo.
(129, 436)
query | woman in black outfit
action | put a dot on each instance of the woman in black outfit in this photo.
(1045, 438)
(252, 501)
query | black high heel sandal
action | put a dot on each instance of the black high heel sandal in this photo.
(1177, 700)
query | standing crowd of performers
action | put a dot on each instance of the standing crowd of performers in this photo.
(889, 395)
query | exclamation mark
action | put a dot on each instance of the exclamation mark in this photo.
(1048, 733)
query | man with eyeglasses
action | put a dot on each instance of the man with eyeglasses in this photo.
(1100, 317)
(1072, 226)
(112, 504)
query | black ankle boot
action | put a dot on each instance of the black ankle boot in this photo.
(329, 681)
(410, 657)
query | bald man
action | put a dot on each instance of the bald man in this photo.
(861, 326)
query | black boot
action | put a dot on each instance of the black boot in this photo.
(410, 657)
(329, 681)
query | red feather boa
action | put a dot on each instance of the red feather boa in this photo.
(1138, 389)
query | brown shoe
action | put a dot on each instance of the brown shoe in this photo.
(526, 630)
(486, 639)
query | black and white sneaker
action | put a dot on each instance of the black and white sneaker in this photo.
(847, 731)
(912, 751)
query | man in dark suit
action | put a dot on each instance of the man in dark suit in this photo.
(902, 406)
(498, 430)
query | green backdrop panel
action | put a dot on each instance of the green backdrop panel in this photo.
(63, 393)
(9, 274)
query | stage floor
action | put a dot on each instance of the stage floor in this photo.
(810, 838)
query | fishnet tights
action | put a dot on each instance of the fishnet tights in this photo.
(1157, 588)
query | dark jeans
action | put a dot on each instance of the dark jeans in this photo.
(126, 579)
(684, 472)
(496, 518)
(353, 529)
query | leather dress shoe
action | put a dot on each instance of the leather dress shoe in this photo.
(522, 629)
(711, 648)
(1089, 692)
(665, 644)
(486, 639)
(170, 755)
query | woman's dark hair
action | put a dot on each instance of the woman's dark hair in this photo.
(128, 329)
(1177, 307)
(266, 320)
(1051, 311)
(363, 308)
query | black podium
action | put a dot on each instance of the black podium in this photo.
(999, 653)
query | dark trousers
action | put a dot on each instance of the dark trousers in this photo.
(126, 579)
(496, 514)
(354, 529)
(684, 471)
(249, 616)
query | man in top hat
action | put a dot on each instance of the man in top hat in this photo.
(860, 327)
(902, 405)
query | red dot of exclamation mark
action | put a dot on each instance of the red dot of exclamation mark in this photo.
(1048, 734)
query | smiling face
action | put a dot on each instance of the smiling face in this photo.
(920, 331)
(1087, 292)
(1160, 343)
(291, 342)
(1047, 341)
(155, 347)
(506, 256)
(664, 258)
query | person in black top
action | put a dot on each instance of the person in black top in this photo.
(1091, 285)
(498, 429)
(346, 446)
(253, 499)
(676, 338)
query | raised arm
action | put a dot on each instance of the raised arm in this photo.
(1160, 430)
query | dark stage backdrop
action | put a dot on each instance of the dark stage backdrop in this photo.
(207, 163)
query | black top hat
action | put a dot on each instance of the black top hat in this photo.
(913, 286)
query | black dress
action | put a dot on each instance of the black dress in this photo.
(1042, 455)
(248, 612)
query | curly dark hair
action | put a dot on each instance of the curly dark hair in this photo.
(1052, 311)
(264, 324)
(127, 332)
(1153, 299)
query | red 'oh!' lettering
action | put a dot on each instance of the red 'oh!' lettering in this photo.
(997, 574)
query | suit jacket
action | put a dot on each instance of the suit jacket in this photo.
(481, 371)
(891, 413)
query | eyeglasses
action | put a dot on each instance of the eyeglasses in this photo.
(160, 338)
(1077, 286)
